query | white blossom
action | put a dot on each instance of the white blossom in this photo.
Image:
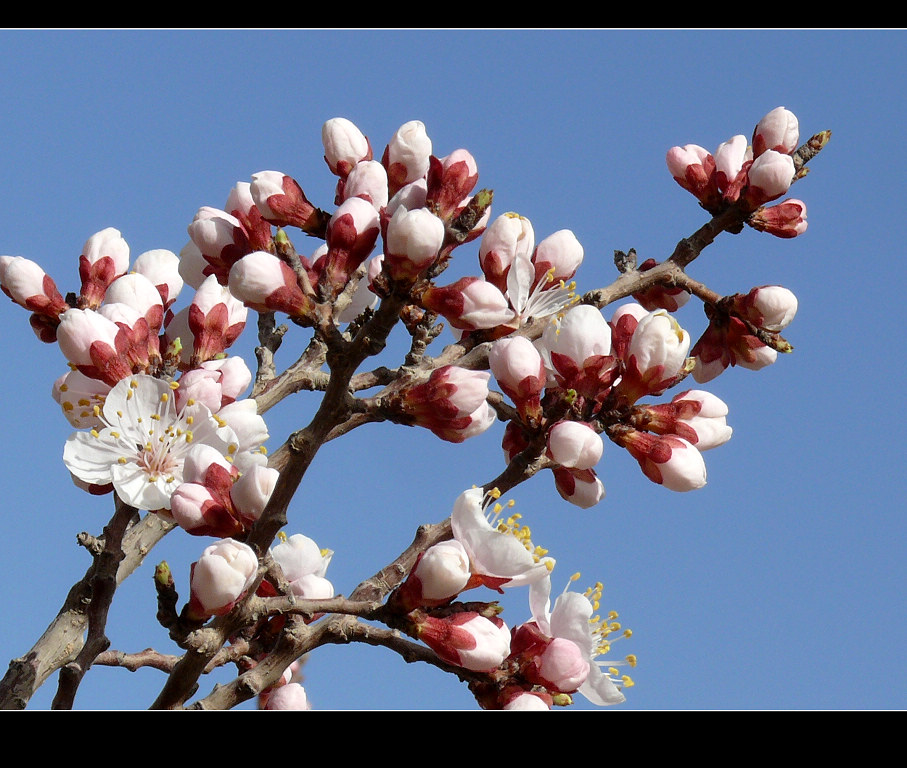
(144, 442)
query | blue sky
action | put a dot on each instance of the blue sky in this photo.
(780, 585)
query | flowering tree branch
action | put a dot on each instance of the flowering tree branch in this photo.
(158, 401)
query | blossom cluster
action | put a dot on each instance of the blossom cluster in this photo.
(157, 396)
(162, 422)
(538, 662)
(747, 175)
(586, 376)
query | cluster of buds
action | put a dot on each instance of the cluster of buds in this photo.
(122, 313)
(585, 376)
(744, 330)
(219, 497)
(418, 203)
(167, 430)
(747, 176)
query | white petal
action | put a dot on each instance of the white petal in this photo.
(89, 458)
(599, 689)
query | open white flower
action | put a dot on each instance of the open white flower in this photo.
(528, 302)
(501, 551)
(144, 441)
(572, 619)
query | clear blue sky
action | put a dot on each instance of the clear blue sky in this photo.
(779, 585)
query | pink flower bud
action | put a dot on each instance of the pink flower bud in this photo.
(287, 697)
(200, 459)
(411, 196)
(730, 166)
(479, 421)
(94, 344)
(240, 201)
(520, 371)
(577, 351)
(412, 244)
(440, 574)
(193, 267)
(731, 343)
(200, 511)
(451, 403)
(708, 421)
(786, 219)
(507, 238)
(221, 577)
(560, 255)
(344, 146)
(138, 292)
(769, 177)
(221, 239)
(234, 376)
(527, 701)
(693, 167)
(200, 386)
(367, 180)
(351, 236)
(443, 570)
(215, 318)
(562, 666)
(265, 283)
(251, 493)
(281, 201)
(667, 460)
(758, 358)
(466, 639)
(304, 565)
(30, 287)
(469, 304)
(104, 258)
(580, 487)
(450, 180)
(698, 417)
(779, 130)
(574, 445)
(771, 307)
(655, 355)
(406, 157)
(161, 267)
